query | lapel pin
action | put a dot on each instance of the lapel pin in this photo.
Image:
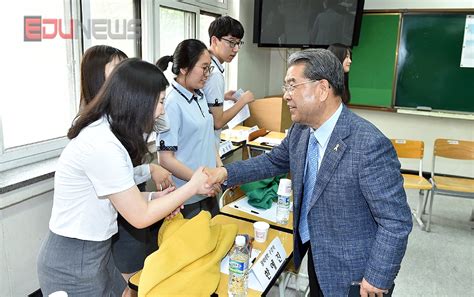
(336, 147)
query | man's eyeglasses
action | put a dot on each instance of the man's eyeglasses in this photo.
(207, 69)
(291, 87)
(233, 43)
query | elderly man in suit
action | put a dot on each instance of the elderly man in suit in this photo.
(350, 208)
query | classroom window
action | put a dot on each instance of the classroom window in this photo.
(41, 97)
(38, 102)
(120, 22)
(205, 20)
(175, 26)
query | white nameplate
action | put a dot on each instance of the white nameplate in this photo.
(266, 267)
(225, 147)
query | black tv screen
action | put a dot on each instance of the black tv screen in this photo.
(307, 23)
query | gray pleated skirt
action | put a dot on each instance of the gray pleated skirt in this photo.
(79, 267)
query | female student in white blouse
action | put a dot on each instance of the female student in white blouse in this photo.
(94, 181)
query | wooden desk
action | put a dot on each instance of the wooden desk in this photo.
(235, 213)
(244, 227)
(235, 140)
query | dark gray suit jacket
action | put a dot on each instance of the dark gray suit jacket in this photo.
(359, 219)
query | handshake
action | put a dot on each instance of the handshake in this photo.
(207, 181)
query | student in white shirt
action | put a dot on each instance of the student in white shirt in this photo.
(130, 246)
(190, 142)
(94, 181)
(225, 38)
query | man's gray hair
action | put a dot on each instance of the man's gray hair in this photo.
(320, 64)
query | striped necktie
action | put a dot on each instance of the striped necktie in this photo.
(309, 182)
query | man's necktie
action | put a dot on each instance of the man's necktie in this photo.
(309, 182)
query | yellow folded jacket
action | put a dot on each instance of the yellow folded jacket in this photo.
(188, 260)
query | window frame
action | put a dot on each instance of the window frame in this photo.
(50, 148)
(155, 36)
(34, 152)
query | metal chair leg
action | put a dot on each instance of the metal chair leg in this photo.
(283, 284)
(423, 211)
(428, 226)
(418, 211)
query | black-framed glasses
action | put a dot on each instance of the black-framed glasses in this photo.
(291, 87)
(233, 43)
(207, 69)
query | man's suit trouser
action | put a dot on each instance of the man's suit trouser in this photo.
(314, 289)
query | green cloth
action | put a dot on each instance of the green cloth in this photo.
(262, 193)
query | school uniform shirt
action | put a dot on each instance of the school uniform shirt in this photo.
(191, 134)
(92, 166)
(214, 90)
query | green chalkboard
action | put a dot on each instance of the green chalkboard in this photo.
(372, 72)
(428, 71)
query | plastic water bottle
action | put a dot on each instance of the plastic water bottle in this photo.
(238, 268)
(283, 204)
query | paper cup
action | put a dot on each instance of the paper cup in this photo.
(261, 231)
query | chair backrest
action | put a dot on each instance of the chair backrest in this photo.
(230, 195)
(452, 149)
(256, 134)
(410, 149)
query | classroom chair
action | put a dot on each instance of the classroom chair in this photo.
(414, 149)
(230, 195)
(285, 277)
(252, 136)
(451, 186)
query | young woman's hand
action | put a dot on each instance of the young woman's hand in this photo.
(165, 192)
(175, 212)
(199, 181)
(161, 177)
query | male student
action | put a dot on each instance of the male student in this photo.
(350, 208)
(225, 37)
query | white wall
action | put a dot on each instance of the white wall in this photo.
(424, 128)
(22, 228)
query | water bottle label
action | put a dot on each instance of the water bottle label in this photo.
(237, 267)
(284, 200)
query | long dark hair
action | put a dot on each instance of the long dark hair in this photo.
(93, 69)
(128, 100)
(186, 55)
(341, 51)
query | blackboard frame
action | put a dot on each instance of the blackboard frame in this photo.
(429, 76)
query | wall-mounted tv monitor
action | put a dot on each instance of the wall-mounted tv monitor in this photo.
(307, 23)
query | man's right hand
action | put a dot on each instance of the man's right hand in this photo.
(216, 175)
